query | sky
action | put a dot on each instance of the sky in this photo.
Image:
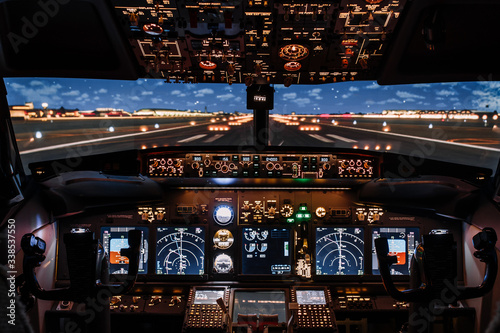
(354, 96)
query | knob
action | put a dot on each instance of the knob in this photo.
(271, 211)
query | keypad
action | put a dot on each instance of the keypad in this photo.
(205, 316)
(314, 316)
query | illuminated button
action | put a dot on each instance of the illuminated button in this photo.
(290, 220)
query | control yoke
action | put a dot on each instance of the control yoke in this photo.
(87, 264)
(434, 269)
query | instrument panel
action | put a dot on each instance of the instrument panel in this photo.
(271, 234)
(257, 41)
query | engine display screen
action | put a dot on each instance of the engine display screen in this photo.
(311, 297)
(268, 302)
(116, 238)
(180, 250)
(339, 251)
(266, 251)
(208, 296)
(402, 244)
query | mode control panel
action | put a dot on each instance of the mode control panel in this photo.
(267, 165)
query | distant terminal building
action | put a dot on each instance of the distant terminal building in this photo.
(21, 111)
(167, 113)
(431, 114)
(28, 111)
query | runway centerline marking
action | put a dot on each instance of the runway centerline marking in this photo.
(320, 138)
(213, 138)
(70, 144)
(196, 137)
(421, 138)
(341, 138)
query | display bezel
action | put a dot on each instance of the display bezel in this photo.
(408, 258)
(330, 276)
(145, 237)
(286, 292)
(183, 276)
(245, 276)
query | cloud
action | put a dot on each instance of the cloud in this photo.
(177, 93)
(490, 84)
(421, 85)
(374, 85)
(480, 93)
(225, 97)
(17, 86)
(145, 93)
(203, 92)
(353, 89)
(156, 100)
(36, 83)
(72, 93)
(301, 102)
(315, 93)
(135, 98)
(102, 91)
(289, 96)
(384, 102)
(405, 94)
(445, 93)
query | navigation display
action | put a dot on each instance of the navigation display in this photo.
(180, 250)
(266, 251)
(116, 238)
(402, 244)
(339, 251)
(310, 297)
(266, 302)
(208, 296)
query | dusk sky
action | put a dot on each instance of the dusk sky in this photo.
(362, 96)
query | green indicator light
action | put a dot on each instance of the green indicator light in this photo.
(299, 215)
(303, 208)
(290, 220)
(307, 216)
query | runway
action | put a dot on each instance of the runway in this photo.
(470, 142)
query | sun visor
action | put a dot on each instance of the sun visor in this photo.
(63, 38)
(440, 41)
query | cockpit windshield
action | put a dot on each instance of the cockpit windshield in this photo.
(57, 118)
